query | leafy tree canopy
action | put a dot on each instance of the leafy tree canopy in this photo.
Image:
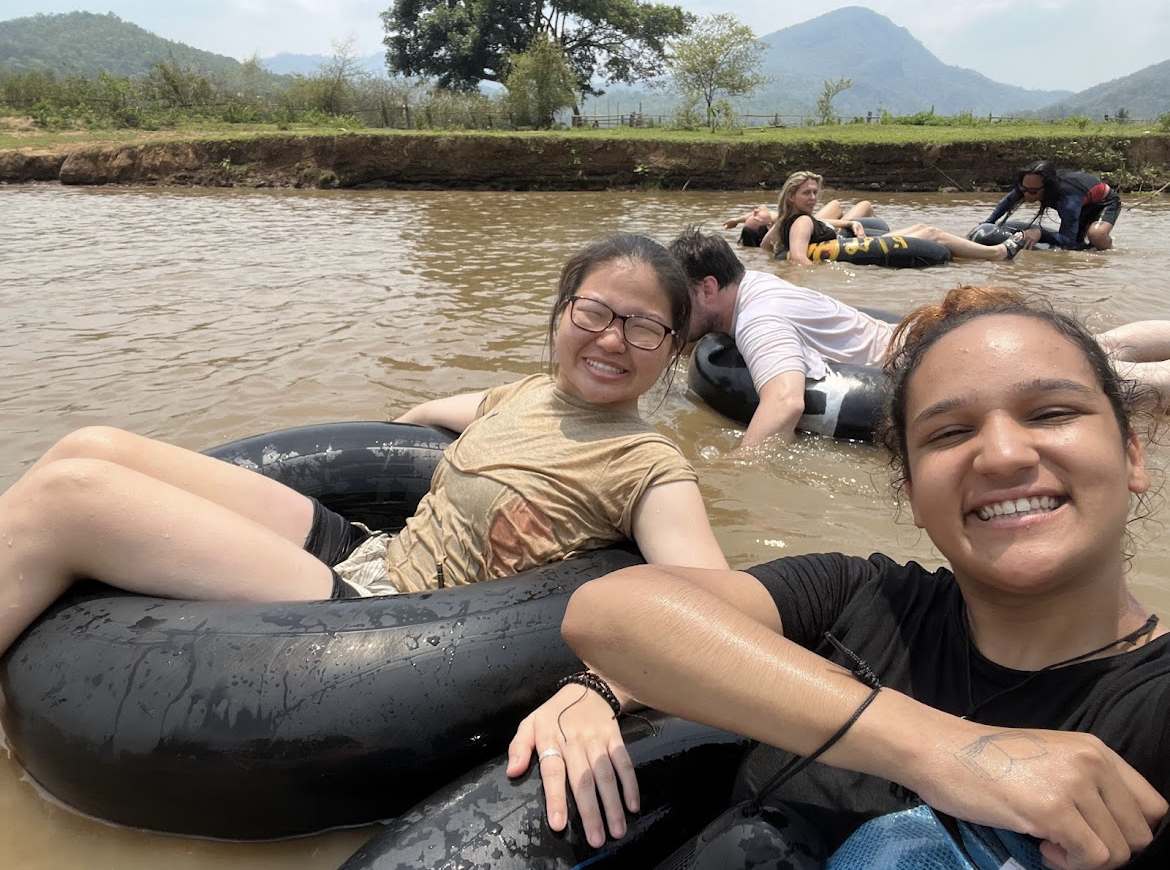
(720, 56)
(464, 42)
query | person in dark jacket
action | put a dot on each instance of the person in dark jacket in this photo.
(1087, 206)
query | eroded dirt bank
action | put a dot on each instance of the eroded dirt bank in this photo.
(569, 163)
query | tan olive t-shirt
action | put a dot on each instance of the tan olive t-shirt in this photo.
(538, 476)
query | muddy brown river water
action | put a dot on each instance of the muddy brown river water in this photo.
(201, 316)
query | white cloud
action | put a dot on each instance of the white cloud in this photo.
(1065, 44)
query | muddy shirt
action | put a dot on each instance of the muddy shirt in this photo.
(538, 476)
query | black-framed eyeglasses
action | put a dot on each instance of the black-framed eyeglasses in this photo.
(592, 315)
(1032, 190)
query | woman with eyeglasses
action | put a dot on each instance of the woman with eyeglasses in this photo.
(1087, 206)
(796, 228)
(545, 467)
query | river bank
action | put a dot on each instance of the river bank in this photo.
(567, 161)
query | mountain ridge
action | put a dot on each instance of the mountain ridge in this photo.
(902, 78)
(64, 43)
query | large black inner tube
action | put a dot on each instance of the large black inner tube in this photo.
(846, 403)
(258, 721)
(685, 772)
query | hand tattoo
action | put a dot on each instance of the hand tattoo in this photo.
(993, 757)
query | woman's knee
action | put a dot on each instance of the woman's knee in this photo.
(92, 442)
(830, 211)
(1100, 236)
(861, 209)
(67, 488)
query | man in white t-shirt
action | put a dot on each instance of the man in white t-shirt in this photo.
(784, 332)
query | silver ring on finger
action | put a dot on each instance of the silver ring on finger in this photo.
(551, 752)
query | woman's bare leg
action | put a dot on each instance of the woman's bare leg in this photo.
(1141, 352)
(859, 210)
(244, 492)
(1140, 341)
(1100, 235)
(75, 518)
(1152, 374)
(830, 211)
(957, 245)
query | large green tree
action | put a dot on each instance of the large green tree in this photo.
(464, 42)
(720, 56)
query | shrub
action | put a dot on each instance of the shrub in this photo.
(237, 113)
(539, 84)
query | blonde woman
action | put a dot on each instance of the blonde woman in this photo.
(796, 228)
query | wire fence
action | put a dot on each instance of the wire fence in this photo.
(780, 119)
(440, 114)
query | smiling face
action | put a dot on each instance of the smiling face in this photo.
(1018, 469)
(602, 367)
(805, 196)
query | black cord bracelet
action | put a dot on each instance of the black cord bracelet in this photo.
(590, 680)
(865, 674)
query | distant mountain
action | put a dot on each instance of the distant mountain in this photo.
(1143, 94)
(86, 44)
(890, 70)
(310, 64)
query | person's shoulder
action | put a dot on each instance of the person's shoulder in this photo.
(538, 381)
(493, 396)
(876, 568)
(753, 280)
(825, 564)
(887, 569)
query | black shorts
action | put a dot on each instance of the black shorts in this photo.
(1108, 210)
(331, 539)
(341, 589)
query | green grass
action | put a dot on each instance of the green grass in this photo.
(16, 133)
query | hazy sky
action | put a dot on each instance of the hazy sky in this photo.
(1051, 44)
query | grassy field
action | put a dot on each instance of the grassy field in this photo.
(21, 133)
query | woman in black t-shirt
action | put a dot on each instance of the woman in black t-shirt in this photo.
(1024, 688)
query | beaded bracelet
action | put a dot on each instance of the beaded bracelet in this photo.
(590, 680)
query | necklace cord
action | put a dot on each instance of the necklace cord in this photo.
(1144, 630)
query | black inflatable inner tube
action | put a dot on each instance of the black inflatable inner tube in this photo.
(874, 226)
(895, 252)
(685, 772)
(997, 234)
(846, 403)
(258, 721)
